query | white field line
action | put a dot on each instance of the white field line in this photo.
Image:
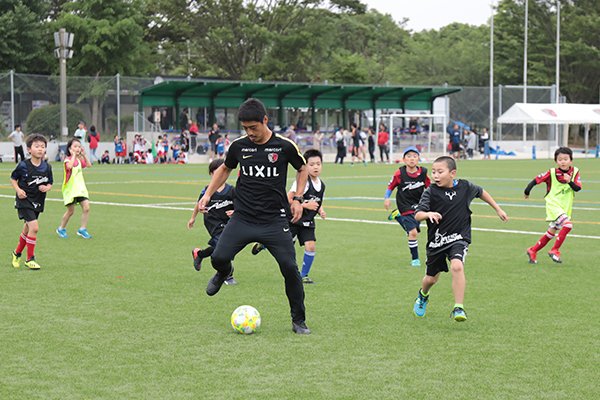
(363, 221)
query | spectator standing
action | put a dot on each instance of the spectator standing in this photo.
(383, 137)
(17, 138)
(371, 143)
(93, 139)
(471, 144)
(193, 136)
(290, 133)
(341, 146)
(484, 145)
(80, 132)
(318, 139)
(213, 135)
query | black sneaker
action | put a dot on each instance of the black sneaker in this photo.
(300, 328)
(197, 259)
(257, 248)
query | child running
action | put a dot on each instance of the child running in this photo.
(445, 206)
(312, 204)
(561, 185)
(216, 216)
(411, 181)
(74, 190)
(31, 179)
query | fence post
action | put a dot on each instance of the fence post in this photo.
(12, 100)
(598, 151)
(497, 152)
(533, 157)
(118, 104)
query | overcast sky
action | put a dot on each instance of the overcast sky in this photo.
(433, 14)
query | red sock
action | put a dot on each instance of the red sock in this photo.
(30, 247)
(546, 237)
(22, 243)
(562, 235)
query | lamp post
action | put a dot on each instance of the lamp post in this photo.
(63, 41)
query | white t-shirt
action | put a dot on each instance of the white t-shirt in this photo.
(80, 134)
(17, 138)
(315, 182)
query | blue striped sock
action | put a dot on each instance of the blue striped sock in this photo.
(309, 257)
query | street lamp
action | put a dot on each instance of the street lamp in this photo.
(63, 41)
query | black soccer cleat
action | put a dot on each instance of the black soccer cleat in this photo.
(197, 259)
(300, 328)
(215, 283)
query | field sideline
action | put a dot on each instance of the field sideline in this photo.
(125, 316)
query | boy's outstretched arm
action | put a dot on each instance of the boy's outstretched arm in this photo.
(485, 196)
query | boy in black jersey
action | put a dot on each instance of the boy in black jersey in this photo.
(411, 181)
(445, 206)
(31, 179)
(215, 217)
(262, 210)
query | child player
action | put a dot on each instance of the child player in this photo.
(304, 228)
(411, 181)
(561, 185)
(445, 206)
(216, 216)
(31, 179)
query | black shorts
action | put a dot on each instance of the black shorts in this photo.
(436, 263)
(455, 147)
(303, 233)
(27, 214)
(408, 222)
(77, 200)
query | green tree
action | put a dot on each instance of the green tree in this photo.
(46, 120)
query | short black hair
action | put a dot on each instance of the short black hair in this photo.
(252, 110)
(17, 126)
(563, 150)
(35, 137)
(313, 153)
(450, 162)
(69, 143)
(214, 164)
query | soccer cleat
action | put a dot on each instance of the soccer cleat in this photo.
(393, 215)
(215, 283)
(532, 256)
(555, 256)
(16, 260)
(458, 314)
(62, 233)
(257, 248)
(197, 259)
(230, 281)
(416, 263)
(300, 328)
(31, 264)
(83, 233)
(420, 304)
(306, 280)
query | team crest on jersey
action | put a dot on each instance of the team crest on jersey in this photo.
(450, 195)
(273, 157)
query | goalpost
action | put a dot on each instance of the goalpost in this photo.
(431, 136)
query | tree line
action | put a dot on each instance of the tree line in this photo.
(339, 41)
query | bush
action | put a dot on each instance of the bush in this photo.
(46, 120)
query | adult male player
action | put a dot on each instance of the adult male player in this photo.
(262, 210)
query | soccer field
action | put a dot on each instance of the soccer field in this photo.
(125, 316)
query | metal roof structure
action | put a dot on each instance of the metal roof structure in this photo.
(230, 94)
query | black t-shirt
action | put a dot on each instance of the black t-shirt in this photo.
(213, 135)
(261, 185)
(311, 194)
(29, 177)
(453, 204)
(410, 189)
(216, 217)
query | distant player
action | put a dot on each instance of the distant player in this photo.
(216, 216)
(411, 180)
(31, 179)
(561, 185)
(262, 210)
(74, 190)
(304, 229)
(445, 206)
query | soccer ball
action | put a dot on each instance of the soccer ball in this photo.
(245, 319)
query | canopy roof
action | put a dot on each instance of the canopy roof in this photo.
(230, 94)
(551, 113)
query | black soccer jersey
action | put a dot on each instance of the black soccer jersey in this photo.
(311, 194)
(216, 216)
(29, 178)
(410, 189)
(453, 204)
(260, 188)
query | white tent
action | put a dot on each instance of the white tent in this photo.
(553, 114)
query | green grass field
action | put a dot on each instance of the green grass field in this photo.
(125, 316)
